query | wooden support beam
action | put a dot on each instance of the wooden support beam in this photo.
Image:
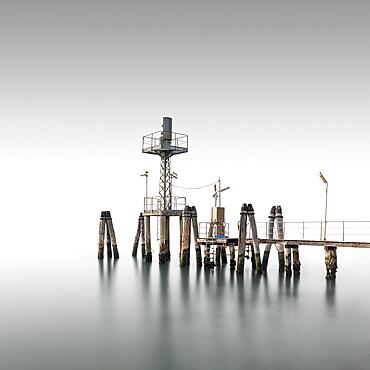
(109, 243)
(186, 238)
(112, 234)
(270, 235)
(280, 232)
(198, 251)
(331, 261)
(142, 232)
(137, 236)
(256, 255)
(148, 243)
(101, 235)
(296, 262)
(242, 239)
(288, 259)
(232, 256)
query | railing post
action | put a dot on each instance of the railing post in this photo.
(343, 229)
(303, 230)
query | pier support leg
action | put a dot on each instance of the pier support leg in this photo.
(109, 244)
(280, 232)
(218, 255)
(101, 236)
(142, 232)
(198, 251)
(148, 243)
(162, 240)
(112, 235)
(242, 239)
(288, 259)
(223, 255)
(296, 262)
(167, 241)
(256, 255)
(331, 262)
(137, 236)
(270, 235)
(232, 256)
(208, 264)
(185, 242)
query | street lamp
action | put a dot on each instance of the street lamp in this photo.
(326, 201)
(146, 174)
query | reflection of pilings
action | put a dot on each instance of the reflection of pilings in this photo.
(280, 232)
(232, 256)
(194, 221)
(148, 243)
(331, 261)
(101, 236)
(288, 259)
(270, 235)
(242, 239)
(137, 236)
(185, 241)
(256, 242)
(112, 235)
(296, 262)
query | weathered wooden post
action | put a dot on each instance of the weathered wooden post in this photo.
(162, 240)
(148, 243)
(112, 234)
(218, 255)
(232, 256)
(242, 239)
(185, 242)
(270, 235)
(167, 239)
(296, 262)
(256, 242)
(280, 232)
(288, 259)
(194, 221)
(208, 264)
(101, 236)
(109, 244)
(223, 255)
(137, 236)
(142, 232)
(331, 261)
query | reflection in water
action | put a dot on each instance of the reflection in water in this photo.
(106, 272)
(330, 294)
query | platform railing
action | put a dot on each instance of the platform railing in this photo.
(154, 203)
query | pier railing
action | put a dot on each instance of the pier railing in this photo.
(152, 204)
(356, 231)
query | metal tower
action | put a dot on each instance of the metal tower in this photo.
(165, 143)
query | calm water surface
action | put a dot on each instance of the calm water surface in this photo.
(72, 312)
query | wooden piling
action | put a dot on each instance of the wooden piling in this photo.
(296, 262)
(218, 255)
(242, 239)
(198, 251)
(162, 240)
(223, 255)
(331, 262)
(208, 264)
(142, 232)
(101, 236)
(148, 243)
(112, 234)
(186, 235)
(109, 243)
(167, 239)
(137, 236)
(288, 259)
(280, 232)
(232, 256)
(270, 235)
(256, 255)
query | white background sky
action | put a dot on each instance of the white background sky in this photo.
(269, 96)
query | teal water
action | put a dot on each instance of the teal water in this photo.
(75, 312)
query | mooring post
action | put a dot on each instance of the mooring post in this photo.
(112, 234)
(256, 242)
(137, 236)
(232, 256)
(194, 221)
(168, 251)
(208, 264)
(288, 259)
(142, 232)
(296, 262)
(223, 254)
(101, 236)
(148, 242)
(242, 239)
(109, 243)
(270, 235)
(218, 255)
(331, 261)
(280, 232)
(185, 242)
(162, 239)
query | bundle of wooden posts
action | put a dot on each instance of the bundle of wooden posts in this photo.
(107, 236)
